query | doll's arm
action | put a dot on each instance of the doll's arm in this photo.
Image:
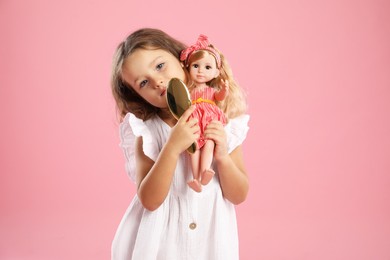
(224, 92)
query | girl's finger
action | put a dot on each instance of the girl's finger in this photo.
(193, 121)
(215, 124)
(187, 114)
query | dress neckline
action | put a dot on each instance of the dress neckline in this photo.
(165, 124)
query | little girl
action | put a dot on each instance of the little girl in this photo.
(166, 219)
(204, 64)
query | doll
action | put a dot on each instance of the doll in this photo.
(203, 63)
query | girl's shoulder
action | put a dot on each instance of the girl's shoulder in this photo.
(237, 129)
(131, 128)
(131, 123)
(137, 126)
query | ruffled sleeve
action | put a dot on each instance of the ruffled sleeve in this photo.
(236, 130)
(129, 129)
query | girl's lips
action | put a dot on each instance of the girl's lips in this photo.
(163, 92)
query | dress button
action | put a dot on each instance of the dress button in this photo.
(192, 226)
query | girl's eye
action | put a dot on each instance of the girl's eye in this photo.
(195, 66)
(143, 83)
(208, 68)
(160, 66)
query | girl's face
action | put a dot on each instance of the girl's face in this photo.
(148, 73)
(204, 69)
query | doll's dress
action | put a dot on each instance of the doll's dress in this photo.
(205, 110)
(188, 225)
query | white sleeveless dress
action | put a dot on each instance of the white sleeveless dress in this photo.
(188, 225)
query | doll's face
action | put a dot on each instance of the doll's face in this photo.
(204, 69)
(148, 72)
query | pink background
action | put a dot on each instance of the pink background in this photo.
(317, 75)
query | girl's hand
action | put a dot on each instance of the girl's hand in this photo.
(184, 133)
(216, 132)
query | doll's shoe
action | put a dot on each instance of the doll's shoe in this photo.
(207, 175)
(195, 185)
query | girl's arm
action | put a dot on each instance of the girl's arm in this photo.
(224, 92)
(154, 178)
(232, 174)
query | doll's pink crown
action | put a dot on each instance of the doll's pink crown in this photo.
(201, 44)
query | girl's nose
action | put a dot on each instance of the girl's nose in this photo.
(159, 84)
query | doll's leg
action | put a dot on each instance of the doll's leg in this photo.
(206, 158)
(195, 159)
(195, 183)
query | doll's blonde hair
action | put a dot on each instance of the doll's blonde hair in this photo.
(235, 103)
